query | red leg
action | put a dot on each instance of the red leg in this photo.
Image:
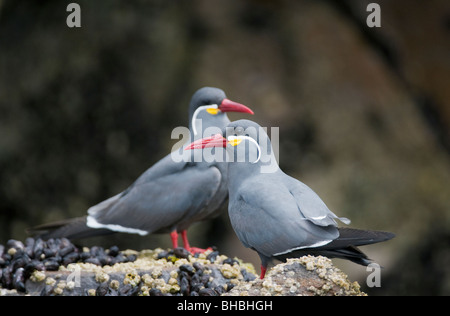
(192, 250)
(174, 237)
(263, 272)
(185, 240)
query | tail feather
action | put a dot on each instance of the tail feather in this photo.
(357, 237)
(74, 228)
(344, 247)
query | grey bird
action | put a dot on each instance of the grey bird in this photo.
(172, 194)
(275, 214)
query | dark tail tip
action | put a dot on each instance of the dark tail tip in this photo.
(74, 228)
(360, 237)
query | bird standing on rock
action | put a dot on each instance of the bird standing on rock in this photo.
(171, 195)
(274, 214)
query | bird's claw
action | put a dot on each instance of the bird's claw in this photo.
(194, 250)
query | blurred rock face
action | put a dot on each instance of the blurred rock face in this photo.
(363, 113)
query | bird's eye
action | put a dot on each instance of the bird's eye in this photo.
(239, 131)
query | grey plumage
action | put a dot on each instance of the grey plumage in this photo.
(276, 215)
(170, 195)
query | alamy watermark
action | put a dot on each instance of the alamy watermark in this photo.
(374, 278)
(374, 18)
(74, 279)
(74, 18)
(251, 145)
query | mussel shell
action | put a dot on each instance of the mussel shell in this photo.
(187, 268)
(18, 281)
(212, 256)
(184, 286)
(207, 292)
(102, 289)
(182, 253)
(16, 244)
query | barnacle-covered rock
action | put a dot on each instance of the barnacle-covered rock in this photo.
(34, 259)
(56, 267)
(230, 272)
(37, 276)
(307, 275)
(60, 268)
(101, 277)
(132, 277)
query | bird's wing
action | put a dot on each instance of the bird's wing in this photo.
(265, 217)
(164, 167)
(158, 199)
(311, 205)
(160, 169)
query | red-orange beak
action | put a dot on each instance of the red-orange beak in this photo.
(213, 141)
(231, 106)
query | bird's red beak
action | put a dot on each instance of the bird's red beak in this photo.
(213, 141)
(231, 106)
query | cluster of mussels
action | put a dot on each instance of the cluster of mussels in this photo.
(196, 279)
(189, 279)
(157, 273)
(19, 260)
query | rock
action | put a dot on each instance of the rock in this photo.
(306, 276)
(66, 270)
(154, 272)
(19, 263)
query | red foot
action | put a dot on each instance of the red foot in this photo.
(192, 250)
(195, 250)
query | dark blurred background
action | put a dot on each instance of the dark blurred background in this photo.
(363, 112)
